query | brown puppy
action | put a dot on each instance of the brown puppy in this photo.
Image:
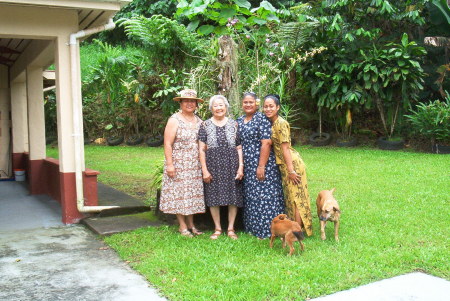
(328, 210)
(288, 230)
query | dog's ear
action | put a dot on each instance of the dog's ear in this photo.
(282, 216)
(332, 190)
(336, 210)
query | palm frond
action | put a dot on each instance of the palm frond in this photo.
(296, 33)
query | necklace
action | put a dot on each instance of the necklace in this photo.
(187, 119)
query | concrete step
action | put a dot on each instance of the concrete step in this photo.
(108, 196)
(122, 223)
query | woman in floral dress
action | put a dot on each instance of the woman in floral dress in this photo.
(291, 165)
(182, 185)
(263, 194)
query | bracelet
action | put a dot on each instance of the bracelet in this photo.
(241, 164)
(261, 166)
(292, 172)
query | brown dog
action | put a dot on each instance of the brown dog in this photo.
(288, 230)
(328, 210)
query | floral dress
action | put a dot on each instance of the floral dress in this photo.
(183, 194)
(222, 161)
(263, 200)
(295, 195)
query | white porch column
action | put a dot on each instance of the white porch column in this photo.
(19, 119)
(5, 138)
(19, 116)
(64, 106)
(36, 130)
(36, 115)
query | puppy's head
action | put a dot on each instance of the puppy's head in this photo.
(329, 212)
(281, 217)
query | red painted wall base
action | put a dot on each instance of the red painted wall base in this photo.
(44, 177)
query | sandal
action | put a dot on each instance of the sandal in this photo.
(216, 234)
(195, 231)
(231, 234)
(186, 233)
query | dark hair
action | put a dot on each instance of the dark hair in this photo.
(275, 98)
(252, 94)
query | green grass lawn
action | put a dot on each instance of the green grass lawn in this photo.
(125, 168)
(395, 220)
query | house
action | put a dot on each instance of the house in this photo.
(33, 36)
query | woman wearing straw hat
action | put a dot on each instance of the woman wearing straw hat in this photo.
(182, 184)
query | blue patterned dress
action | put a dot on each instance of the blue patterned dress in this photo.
(263, 200)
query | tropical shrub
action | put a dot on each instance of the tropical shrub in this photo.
(432, 120)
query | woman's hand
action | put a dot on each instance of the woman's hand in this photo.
(294, 177)
(170, 169)
(207, 178)
(261, 173)
(240, 173)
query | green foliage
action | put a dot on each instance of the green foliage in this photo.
(225, 17)
(392, 78)
(432, 120)
(145, 8)
(167, 43)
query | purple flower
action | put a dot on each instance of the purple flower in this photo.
(234, 21)
(276, 44)
(267, 40)
(228, 24)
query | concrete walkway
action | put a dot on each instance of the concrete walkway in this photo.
(41, 259)
(409, 287)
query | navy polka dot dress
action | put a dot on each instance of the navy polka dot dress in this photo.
(222, 161)
(263, 200)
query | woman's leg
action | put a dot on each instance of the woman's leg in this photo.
(183, 225)
(182, 222)
(190, 221)
(297, 217)
(215, 213)
(232, 212)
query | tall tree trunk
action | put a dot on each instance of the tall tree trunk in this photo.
(228, 72)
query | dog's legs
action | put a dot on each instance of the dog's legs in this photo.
(272, 238)
(302, 246)
(283, 239)
(322, 230)
(336, 230)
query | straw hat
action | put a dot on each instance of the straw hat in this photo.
(188, 94)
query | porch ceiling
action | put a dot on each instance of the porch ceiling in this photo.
(90, 14)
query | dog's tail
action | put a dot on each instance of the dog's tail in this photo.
(299, 235)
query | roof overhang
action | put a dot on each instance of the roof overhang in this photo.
(90, 14)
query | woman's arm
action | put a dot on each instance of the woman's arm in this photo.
(170, 133)
(240, 171)
(202, 154)
(295, 178)
(263, 158)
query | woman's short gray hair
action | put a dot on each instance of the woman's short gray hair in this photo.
(216, 97)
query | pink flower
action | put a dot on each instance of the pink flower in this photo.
(247, 36)
(282, 48)
(271, 53)
(276, 44)
(267, 40)
(279, 59)
(228, 24)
